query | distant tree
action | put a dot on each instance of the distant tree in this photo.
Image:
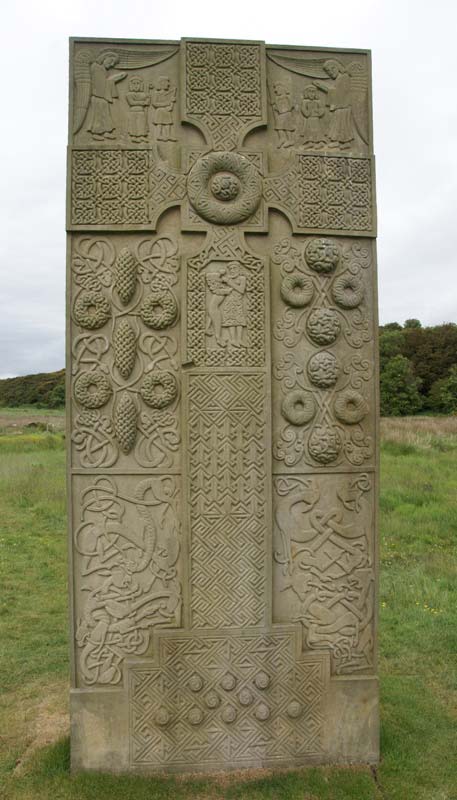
(391, 343)
(56, 397)
(412, 323)
(399, 388)
(391, 326)
(443, 394)
(432, 352)
(30, 389)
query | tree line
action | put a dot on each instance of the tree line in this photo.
(45, 390)
(418, 373)
(418, 368)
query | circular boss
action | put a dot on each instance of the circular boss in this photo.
(224, 187)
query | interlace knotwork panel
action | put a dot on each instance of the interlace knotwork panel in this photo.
(332, 193)
(225, 91)
(127, 540)
(122, 187)
(324, 564)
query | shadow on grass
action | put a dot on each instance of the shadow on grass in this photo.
(419, 763)
(48, 777)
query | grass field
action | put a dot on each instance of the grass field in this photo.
(27, 419)
(418, 633)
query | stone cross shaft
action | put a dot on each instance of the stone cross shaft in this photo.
(222, 422)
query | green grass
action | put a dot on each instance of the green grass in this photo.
(31, 410)
(419, 620)
(30, 443)
(418, 639)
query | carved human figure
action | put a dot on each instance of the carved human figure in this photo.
(218, 290)
(163, 98)
(138, 101)
(233, 309)
(103, 93)
(284, 115)
(312, 109)
(340, 129)
(225, 305)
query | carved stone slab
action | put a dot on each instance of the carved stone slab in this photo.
(222, 406)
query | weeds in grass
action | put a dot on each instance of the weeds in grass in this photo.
(400, 433)
(31, 442)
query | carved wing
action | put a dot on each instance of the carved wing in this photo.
(359, 97)
(128, 59)
(82, 88)
(135, 59)
(309, 67)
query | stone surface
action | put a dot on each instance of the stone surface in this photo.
(222, 421)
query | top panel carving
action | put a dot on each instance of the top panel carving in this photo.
(224, 130)
(224, 90)
(319, 101)
(124, 94)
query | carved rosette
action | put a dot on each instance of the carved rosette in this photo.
(322, 366)
(224, 188)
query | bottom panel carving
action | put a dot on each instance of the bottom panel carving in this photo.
(219, 700)
(324, 569)
(127, 545)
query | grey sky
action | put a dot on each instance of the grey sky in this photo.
(415, 126)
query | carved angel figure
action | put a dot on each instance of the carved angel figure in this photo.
(95, 87)
(345, 87)
(103, 92)
(339, 102)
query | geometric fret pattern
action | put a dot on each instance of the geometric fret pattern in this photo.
(227, 475)
(218, 699)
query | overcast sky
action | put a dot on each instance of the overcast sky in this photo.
(415, 134)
